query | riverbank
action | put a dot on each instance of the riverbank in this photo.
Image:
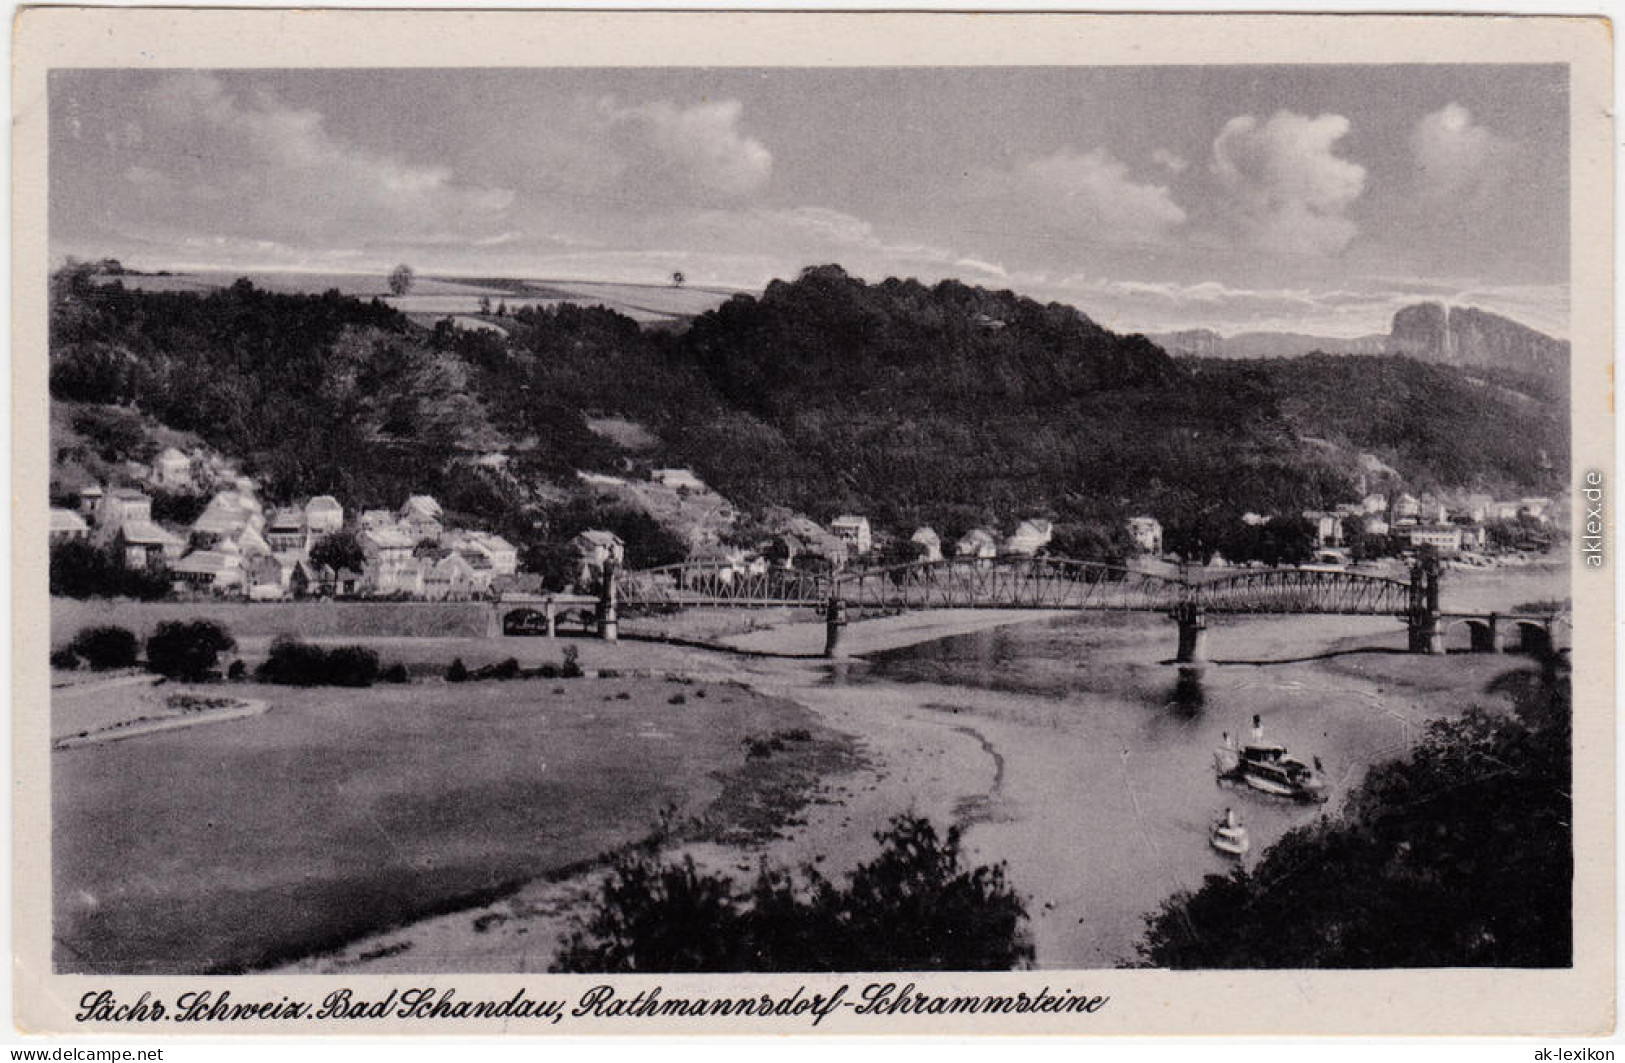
(1075, 789)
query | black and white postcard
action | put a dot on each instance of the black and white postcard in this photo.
(560, 523)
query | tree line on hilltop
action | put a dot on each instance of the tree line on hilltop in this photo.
(944, 405)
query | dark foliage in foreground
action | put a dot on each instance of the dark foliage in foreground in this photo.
(106, 647)
(915, 907)
(81, 570)
(1460, 855)
(294, 663)
(187, 650)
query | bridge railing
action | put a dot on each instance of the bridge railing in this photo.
(1018, 583)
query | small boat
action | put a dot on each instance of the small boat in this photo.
(1229, 836)
(1266, 767)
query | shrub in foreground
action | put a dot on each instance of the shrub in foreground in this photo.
(915, 907)
(295, 663)
(106, 647)
(64, 659)
(187, 650)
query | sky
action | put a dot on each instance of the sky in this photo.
(1310, 198)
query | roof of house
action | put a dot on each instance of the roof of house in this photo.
(207, 562)
(421, 506)
(145, 533)
(288, 519)
(325, 503)
(848, 520)
(1036, 526)
(979, 535)
(127, 494)
(171, 453)
(66, 520)
(598, 537)
(387, 539)
(491, 541)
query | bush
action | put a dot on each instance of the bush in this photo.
(187, 650)
(64, 659)
(106, 647)
(237, 670)
(295, 663)
(395, 673)
(80, 570)
(571, 668)
(914, 907)
(458, 672)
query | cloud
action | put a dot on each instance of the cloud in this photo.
(1288, 189)
(1090, 198)
(207, 159)
(1171, 160)
(1457, 159)
(697, 149)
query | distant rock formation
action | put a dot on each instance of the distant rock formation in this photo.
(1466, 336)
(1205, 343)
(1462, 336)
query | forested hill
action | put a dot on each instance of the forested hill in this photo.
(942, 404)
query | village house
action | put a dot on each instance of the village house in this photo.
(171, 468)
(286, 533)
(1502, 511)
(324, 515)
(854, 533)
(979, 544)
(1328, 527)
(420, 518)
(679, 478)
(219, 570)
(1030, 537)
(449, 578)
(119, 505)
(306, 579)
(67, 526)
(1446, 538)
(264, 578)
(143, 544)
(1407, 510)
(1146, 534)
(930, 541)
(502, 555)
(594, 549)
(390, 567)
(1474, 536)
(1254, 520)
(376, 520)
(1476, 507)
(1375, 524)
(1375, 503)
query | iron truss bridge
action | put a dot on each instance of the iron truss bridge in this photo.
(1020, 583)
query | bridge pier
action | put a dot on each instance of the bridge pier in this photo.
(1422, 620)
(1425, 635)
(1192, 623)
(834, 625)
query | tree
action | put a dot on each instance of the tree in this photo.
(339, 551)
(189, 651)
(677, 278)
(401, 278)
(105, 647)
(914, 907)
